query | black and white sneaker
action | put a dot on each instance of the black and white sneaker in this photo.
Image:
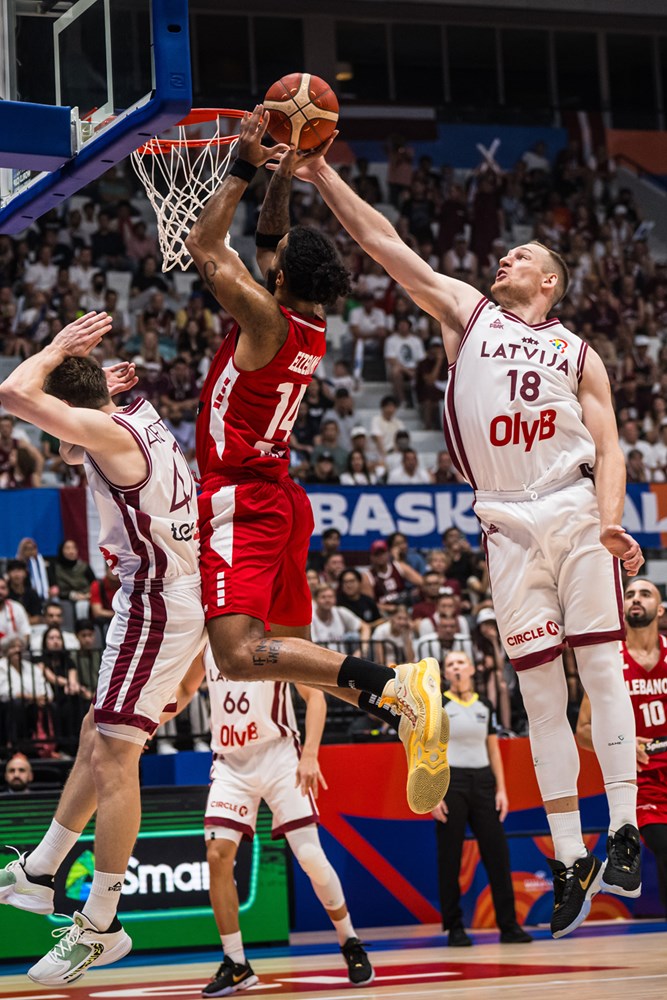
(359, 969)
(622, 873)
(230, 978)
(574, 887)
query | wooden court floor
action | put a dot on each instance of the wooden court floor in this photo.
(611, 962)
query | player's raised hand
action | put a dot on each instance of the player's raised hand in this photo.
(311, 161)
(251, 132)
(120, 377)
(308, 775)
(77, 339)
(622, 545)
(304, 163)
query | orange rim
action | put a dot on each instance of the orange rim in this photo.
(196, 117)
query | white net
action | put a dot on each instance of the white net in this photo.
(179, 178)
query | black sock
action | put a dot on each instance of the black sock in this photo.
(363, 675)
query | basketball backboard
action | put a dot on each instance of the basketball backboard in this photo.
(82, 84)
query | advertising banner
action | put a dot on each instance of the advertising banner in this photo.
(164, 897)
(362, 514)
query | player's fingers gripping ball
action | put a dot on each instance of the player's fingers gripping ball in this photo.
(303, 110)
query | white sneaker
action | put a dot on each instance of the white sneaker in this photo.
(201, 746)
(416, 692)
(25, 892)
(163, 747)
(80, 947)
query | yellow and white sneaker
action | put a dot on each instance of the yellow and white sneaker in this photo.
(416, 693)
(428, 770)
(81, 946)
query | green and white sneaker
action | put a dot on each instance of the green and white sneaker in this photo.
(80, 947)
(26, 892)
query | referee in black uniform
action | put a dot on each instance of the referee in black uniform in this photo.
(476, 796)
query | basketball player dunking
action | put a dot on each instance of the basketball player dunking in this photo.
(529, 419)
(145, 494)
(255, 522)
(645, 673)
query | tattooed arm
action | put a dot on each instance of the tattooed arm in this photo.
(274, 220)
(226, 276)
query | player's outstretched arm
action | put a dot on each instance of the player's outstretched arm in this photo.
(22, 392)
(449, 300)
(187, 688)
(225, 274)
(274, 221)
(610, 476)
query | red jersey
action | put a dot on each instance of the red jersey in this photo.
(246, 418)
(648, 694)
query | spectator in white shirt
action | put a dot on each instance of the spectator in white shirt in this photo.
(43, 274)
(368, 326)
(361, 442)
(629, 438)
(336, 627)
(53, 615)
(403, 351)
(342, 413)
(385, 425)
(409, 472)
(13, 616)
(81, 274)
(392, 640)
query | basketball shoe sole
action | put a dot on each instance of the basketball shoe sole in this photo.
(418, 698)
(428, 770)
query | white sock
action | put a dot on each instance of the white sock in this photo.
(53, 848)
(566, 835)
(232, 945)
(622, 799)
(344, 929)
(104, 898)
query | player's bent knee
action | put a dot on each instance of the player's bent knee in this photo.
(314, 862)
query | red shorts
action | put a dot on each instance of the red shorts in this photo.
(651, 797)
(254, 546)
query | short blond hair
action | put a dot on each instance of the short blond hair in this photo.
(561, 269)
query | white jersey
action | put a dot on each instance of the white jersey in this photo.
(247, 713)
(148, 531)
(512, 418)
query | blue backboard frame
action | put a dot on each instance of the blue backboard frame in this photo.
(170, 101)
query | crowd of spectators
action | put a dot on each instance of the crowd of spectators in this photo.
(102, 253)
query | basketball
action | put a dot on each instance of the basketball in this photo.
(303, 110)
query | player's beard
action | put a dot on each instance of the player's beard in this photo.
(640, 621)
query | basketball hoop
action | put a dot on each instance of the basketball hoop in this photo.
(180, 174)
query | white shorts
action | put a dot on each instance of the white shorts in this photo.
(240, 780)
(552, 580)
(153, 638)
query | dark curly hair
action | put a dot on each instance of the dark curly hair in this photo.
(313, 269)
(79, 381)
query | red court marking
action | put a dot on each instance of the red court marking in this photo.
(319, 980)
